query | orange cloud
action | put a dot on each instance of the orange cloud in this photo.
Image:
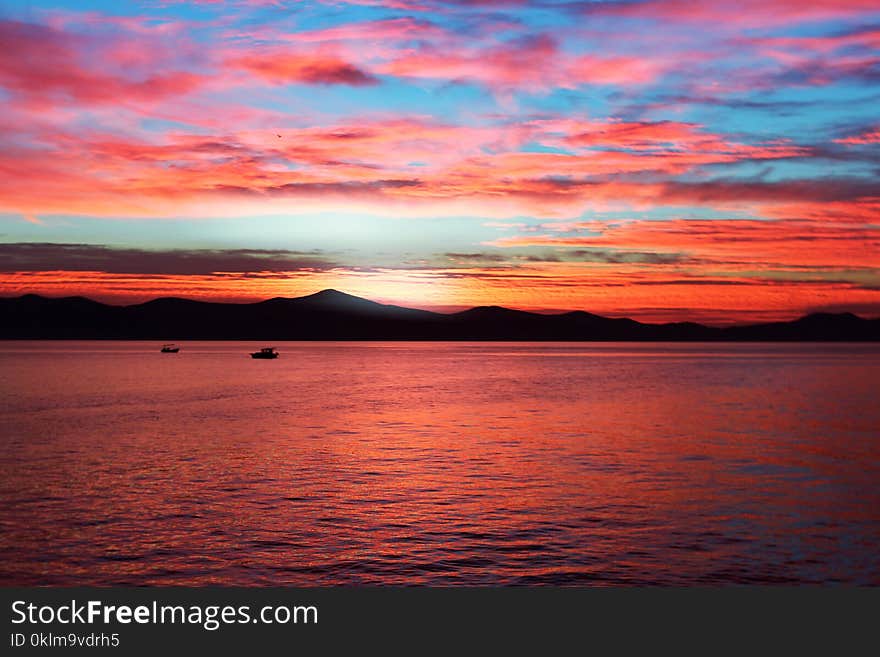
(728, 243)
(604, 289)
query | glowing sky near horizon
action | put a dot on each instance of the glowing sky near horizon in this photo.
(660, 159)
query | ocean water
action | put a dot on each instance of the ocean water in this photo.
(440, 464)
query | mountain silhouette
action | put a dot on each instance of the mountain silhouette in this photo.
(334, 315)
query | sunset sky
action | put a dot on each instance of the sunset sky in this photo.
(663, 160)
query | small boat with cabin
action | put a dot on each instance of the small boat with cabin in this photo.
(170, 349)
(265, 352)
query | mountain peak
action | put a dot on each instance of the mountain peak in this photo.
(335, 298)
(330, 293)
(493, 311)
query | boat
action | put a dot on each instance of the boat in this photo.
(170, 349)
(265, 352)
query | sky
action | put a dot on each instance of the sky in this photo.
(658, 159)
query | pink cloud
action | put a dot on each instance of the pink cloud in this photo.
(411, 165)
(672, 139)
(820, 44)
(393, 29)
(531, 64)
(870, 136)
(42, 65)
(740, 13)
(285, 66)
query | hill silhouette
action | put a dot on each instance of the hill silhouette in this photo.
(334, 315)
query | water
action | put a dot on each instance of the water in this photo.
(445, 463)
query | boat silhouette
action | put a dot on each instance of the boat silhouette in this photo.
(265, 352)
(169, 349)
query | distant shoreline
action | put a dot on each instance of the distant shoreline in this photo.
(335, 316)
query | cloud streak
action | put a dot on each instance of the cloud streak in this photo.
(29, 257)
